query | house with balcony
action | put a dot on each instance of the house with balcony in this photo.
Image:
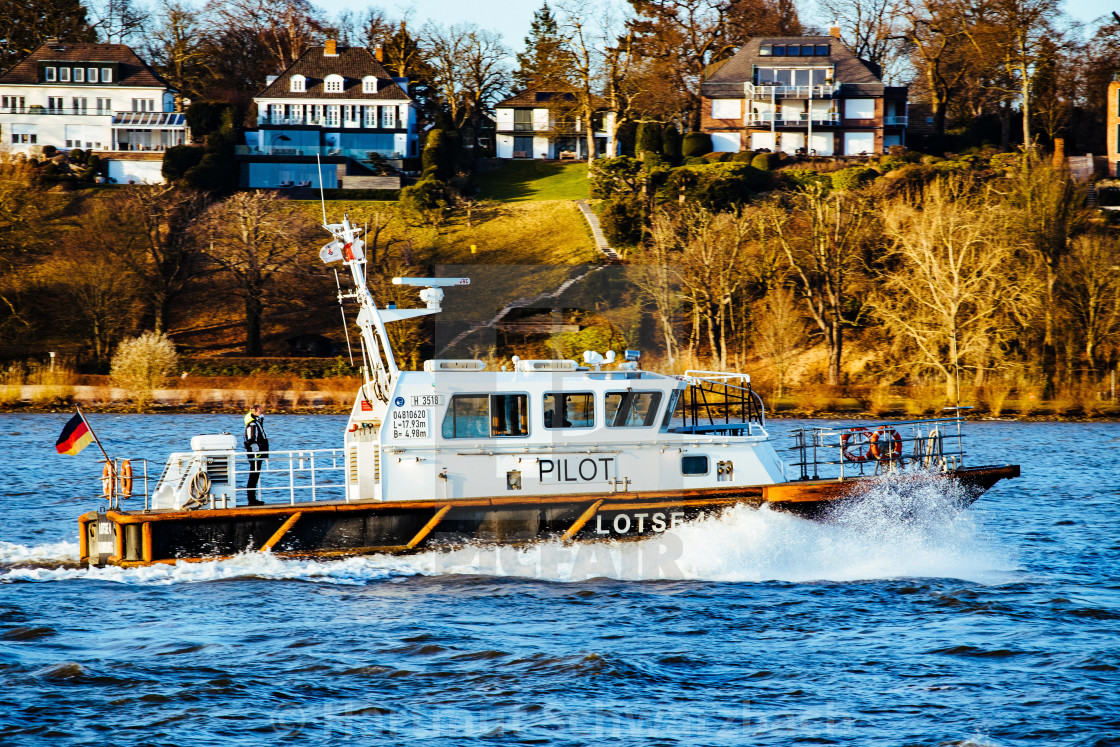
(99, 97)
(805, 94)
(543, 123)
(337, 104)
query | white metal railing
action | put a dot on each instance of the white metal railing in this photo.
(207, 479)
(763, 91)
(832, 453)
(308, 473)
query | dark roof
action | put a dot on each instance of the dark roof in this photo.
(352, 63)
(728, 79)
(551, 97)
(131, 71)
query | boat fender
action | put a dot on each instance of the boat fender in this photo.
(852, 445)
(890, 449)
(126, 478)
(107, 480)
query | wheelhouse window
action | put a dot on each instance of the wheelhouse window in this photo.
(694, 465)
(569, 410)
(487, 416)
(632, 409)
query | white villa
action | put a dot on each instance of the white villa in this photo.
(335, 102)
(99, 97)
(540, 123)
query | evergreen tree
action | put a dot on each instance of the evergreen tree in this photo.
(545, 60)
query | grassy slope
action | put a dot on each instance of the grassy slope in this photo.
(522, 249)
(519, 181)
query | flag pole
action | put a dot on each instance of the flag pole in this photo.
(110, 462)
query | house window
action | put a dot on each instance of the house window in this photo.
(563, 410)
(522, 120)
(764, 50)
(792, 76)
(91, 74)
(822, 50)
(388, 117)
(332, 115)
(143, 105)
(104, 106)
(522, 147)
(859, 109)
(50, 74)
(369, 115)
(106, 75)
(13, 104)
(64, 74)
(24, 134)
(369, 84)
(54, 104)
(299, 84)
(79, 105)
(779, 50)
(632, 409)
(485, 416)
(79, 75)
(726, 108)
(333, 83)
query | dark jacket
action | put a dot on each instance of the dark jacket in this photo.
(255, 437)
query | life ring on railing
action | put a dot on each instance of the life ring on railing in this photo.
(852, 445)
(126, 478)
(107, 480)
(891, 449)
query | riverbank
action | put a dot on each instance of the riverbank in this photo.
(335, 396)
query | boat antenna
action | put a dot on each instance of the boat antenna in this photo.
(342, 309)
(322, 192)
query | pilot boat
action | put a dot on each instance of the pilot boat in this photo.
(539, 450)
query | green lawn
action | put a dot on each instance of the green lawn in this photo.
(519, 181)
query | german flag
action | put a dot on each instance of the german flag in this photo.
(75, 436)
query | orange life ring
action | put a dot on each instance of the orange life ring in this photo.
(126, 478)
(854, 451)
(890, 450)
(107, 480)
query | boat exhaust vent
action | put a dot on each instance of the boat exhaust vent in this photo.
(218, 469)
(352, 467)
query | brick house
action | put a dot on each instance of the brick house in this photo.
(806, 94)
(99, 97)
(338, 104)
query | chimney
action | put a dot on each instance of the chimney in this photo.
(330, 49)
(379, 53)
(834, 31)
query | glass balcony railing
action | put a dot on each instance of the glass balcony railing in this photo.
(778, 91)
(282, 149)
(792, 120)
(895, 120)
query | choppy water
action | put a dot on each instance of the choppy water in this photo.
(994, 626)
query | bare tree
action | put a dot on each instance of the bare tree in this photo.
(823, 236)
(778, 327)
(256, 237)
(175, 46)
(1092, 289)
(872, 29)
(119, 21)
(951, 276)
(284, 29)
(652, 271)
(103, 297)
(469, 70)
(938, 38)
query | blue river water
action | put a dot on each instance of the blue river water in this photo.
(997, 625)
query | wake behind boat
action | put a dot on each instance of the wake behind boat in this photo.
(549, 449)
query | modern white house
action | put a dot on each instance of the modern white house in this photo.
(335, 103)
(542, 123)
(99, 97)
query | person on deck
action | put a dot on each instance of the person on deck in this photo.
(256, 443)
